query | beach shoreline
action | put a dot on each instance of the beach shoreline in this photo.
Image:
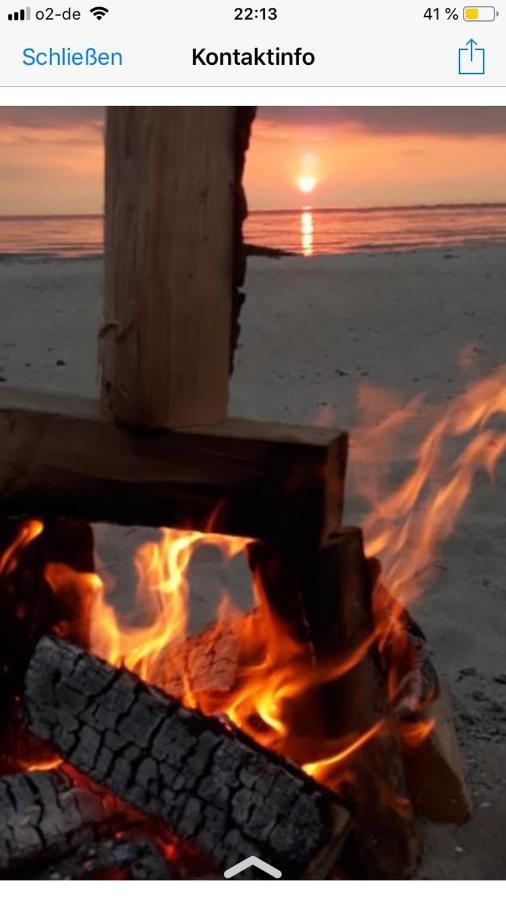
(304, 230)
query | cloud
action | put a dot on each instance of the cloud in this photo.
(52, 117)
(474, 121)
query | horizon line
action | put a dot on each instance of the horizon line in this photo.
(287, 209)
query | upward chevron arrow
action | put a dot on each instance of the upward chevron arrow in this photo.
(252, 861)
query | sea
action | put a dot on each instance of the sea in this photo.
(305, 231)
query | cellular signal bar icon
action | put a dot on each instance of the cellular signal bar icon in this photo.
(22, 15)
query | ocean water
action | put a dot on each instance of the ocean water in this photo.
(304, 231)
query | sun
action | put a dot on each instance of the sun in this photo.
(306, 183)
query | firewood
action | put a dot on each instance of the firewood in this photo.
(338, 602)
(60, 455)
(204, 779)
(204, 663)
(435, 771)
(43, 815)
(127, 858)
(405, 651)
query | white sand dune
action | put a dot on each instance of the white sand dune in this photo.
(312, 332)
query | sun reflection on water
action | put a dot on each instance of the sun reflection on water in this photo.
(307, 231)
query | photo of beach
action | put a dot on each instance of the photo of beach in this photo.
(374, 304)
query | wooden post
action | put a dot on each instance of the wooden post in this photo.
(170, 175)
(244, 121)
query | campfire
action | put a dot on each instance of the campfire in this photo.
(211, 747)
(193, 751)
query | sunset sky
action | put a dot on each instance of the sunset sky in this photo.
(51, 158)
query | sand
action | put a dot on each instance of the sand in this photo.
(313, 331)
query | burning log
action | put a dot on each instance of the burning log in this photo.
(43, 815)
(338, 593)
(202, 778)
(204, 663)
(432, 761)
(434, 769)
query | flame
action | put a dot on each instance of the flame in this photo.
(162, 601)
(275, 673)
(351, 745)
(406, 526)
(28, 531)
(412, 734)
(273, 669)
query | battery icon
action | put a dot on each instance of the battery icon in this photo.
(480, 13)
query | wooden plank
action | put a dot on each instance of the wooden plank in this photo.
(59, 454)
(170, 174)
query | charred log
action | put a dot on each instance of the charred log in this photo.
(128, 858)
(43, 815)
(205, 780)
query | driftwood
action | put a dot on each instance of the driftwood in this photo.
(43, 815)
(206, 781)
(59, 455)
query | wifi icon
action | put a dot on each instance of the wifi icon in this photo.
(99, 12)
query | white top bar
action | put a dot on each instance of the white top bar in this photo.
(318, 44)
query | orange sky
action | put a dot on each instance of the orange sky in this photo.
(51, 159)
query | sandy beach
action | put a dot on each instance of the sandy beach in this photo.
(313, 331)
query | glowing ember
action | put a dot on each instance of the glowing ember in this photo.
(41, 765)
